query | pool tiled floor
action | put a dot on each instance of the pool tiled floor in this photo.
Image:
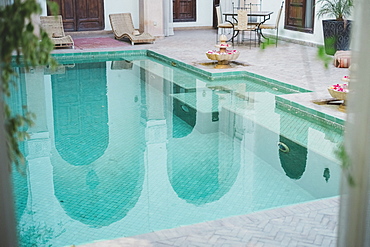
(308, 224)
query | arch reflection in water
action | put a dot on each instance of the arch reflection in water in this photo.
(294, 161)
(80, 113)
(184, 119)
(292, 156)
(201, 167)
(94, 184)
(101, 195)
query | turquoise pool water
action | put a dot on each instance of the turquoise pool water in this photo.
(131, 145)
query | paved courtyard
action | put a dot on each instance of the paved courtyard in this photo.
(308, 224)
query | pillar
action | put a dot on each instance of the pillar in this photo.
(151, 17)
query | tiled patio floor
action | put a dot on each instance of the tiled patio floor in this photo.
(308, 224)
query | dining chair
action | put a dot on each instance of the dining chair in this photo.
(243, 25)
(222, 25)
(253, 6)
(273, 26)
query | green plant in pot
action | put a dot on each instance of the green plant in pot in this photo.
(336, 31)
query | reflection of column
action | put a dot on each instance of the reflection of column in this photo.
(233, 154)
(156, 141)
(36, 99)
(39, 144)
(207, 109)
(154, 96)
(42, 205)
(229, 150)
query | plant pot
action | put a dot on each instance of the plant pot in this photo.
(336, 35)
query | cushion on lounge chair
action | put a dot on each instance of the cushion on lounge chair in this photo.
(123, 27)
(342, 59)
(53, 26)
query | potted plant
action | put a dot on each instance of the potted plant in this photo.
(336, 31)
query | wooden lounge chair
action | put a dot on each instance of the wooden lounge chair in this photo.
(53, 25)
(123, 27)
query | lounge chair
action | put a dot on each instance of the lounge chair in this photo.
(53, 26)
(123, 27)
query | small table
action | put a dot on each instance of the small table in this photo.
(266, 15)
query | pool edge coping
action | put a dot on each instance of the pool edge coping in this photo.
(288, 104)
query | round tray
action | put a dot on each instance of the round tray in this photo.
(337, 94)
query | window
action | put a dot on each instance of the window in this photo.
(184, 10)
(299, 15)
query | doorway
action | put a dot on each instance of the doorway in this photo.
(215, 21)
(81, 15)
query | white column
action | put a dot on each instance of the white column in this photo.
(151, 17)
(354, 216)
(168, 17)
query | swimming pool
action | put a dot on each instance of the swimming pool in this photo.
(127, 145)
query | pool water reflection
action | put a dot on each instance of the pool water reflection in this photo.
(125, 148)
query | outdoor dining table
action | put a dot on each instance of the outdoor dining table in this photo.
(265, 15)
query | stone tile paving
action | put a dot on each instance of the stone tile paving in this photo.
(308, 224)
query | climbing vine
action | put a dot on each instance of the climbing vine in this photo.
(20, 44)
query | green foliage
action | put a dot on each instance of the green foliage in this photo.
(39, 234)
(13, 126)
(18, 37)
(346, 164)
(269, 42)
(340, 9)
(321, 55)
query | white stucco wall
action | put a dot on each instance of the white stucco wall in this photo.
(125, 6)
(204, 11)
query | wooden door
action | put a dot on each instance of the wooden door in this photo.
(81, 15)
(184, 10)
(295, 12)
(215, 22)
(299, 15)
